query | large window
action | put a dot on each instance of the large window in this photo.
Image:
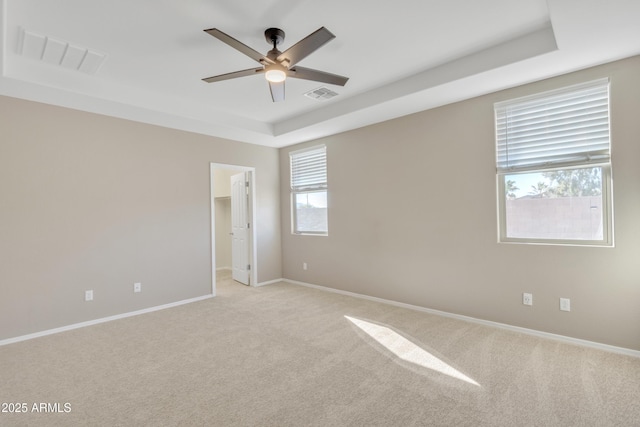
(309, 191)
(553, 167)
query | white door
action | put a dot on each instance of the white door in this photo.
(240, 227)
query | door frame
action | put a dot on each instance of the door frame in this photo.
(251, 215)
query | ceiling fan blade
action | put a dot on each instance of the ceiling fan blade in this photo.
(316, 75)
(306, 46)
(235, 74)
(237, 45)
(277, 91)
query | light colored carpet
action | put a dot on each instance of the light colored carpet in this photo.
(284, 355)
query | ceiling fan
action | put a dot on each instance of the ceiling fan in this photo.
(276, 65)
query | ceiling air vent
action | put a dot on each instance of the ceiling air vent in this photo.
(321, 94)
(59, 52)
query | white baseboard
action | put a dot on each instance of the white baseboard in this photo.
(270, 282)
(102, 320)
(540, 334)
(223, 268)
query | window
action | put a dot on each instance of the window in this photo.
(553, 167)
(309, 190)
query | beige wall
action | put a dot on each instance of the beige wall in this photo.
(412, 218)
(94, 202)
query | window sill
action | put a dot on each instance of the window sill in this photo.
(310, 234)
(587, 243)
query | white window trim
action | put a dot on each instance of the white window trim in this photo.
(294, 216)
(311, 189)
(606, 177)
(607, 213)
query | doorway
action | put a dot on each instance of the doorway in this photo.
(232, 230)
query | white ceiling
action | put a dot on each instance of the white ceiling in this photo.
(401, 57)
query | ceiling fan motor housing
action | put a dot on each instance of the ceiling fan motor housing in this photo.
(274, 36)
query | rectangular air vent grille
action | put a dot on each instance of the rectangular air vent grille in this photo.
(321, 94)
(59, 52)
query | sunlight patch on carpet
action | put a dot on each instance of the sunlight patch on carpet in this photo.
(406, 350)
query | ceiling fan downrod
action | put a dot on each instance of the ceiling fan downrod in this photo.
(274, 36)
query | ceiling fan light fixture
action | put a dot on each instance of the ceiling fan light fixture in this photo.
(275, 75)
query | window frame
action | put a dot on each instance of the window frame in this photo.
(606, 179)
(312, 188)
(607, 211)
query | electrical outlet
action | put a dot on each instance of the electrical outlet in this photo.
(565, 304)
(527, 299)
(304, 265)
(88, 295)
(137, 287)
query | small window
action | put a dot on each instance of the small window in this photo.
(554, 168)
(309, 191)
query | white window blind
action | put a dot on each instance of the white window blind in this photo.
(309, 169)
(567, 127)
